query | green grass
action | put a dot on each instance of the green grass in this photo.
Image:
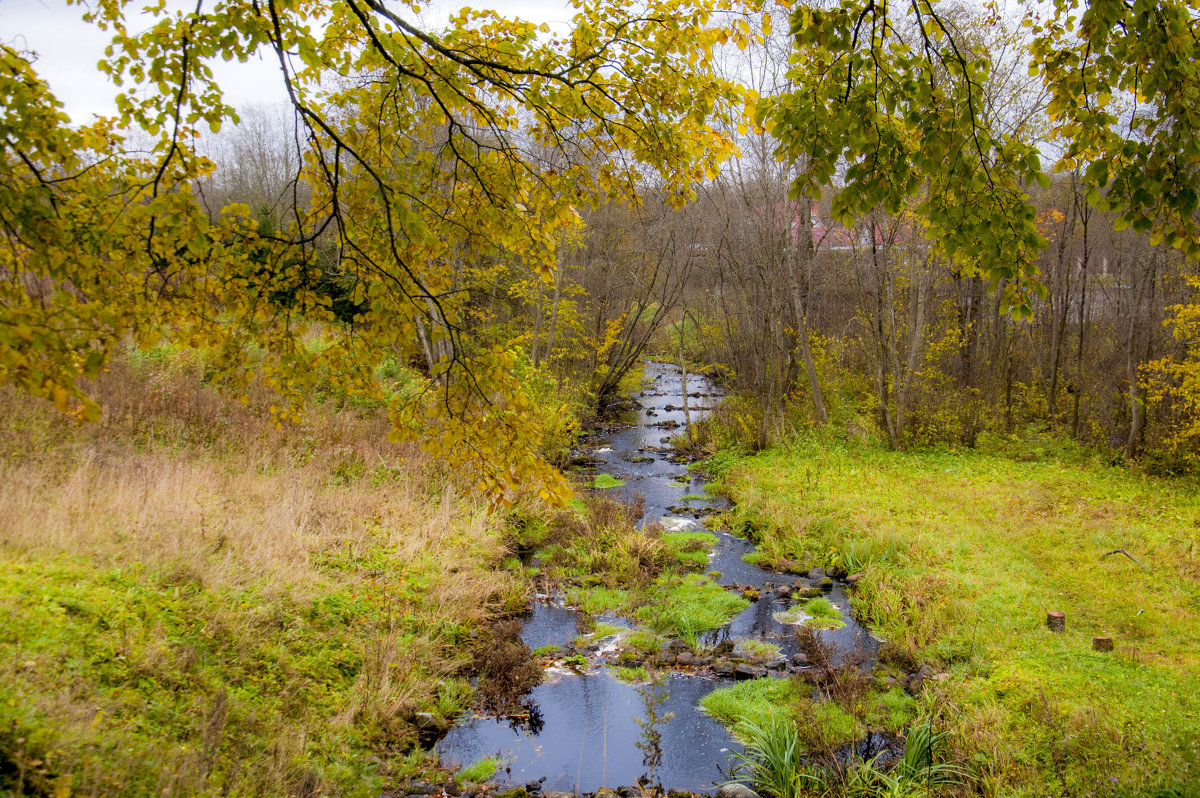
(158, 654)
(893, 710)
(690, 548)
(685, 607)
(644, 641)
(817, 613)
(964, 552)
(606, 481)
(598, 633)
(220, 606)
(631, 674)
(754, 699)
(478, 772)
(598, 600)
(757, 650)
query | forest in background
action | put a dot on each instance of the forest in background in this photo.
(871, 325)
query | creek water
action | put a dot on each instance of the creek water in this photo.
(581, 731)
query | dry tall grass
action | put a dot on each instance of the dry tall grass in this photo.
(257, 522)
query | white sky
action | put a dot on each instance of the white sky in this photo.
(69, 49)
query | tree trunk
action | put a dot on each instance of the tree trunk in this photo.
(1135, 355)
(550, 334)
(1059, 323)
(916, 341)
(802, 248)
(1085, 216)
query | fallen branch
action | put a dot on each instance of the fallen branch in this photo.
(1127, 554)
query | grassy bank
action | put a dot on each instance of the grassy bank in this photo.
(963, 555)
(195, 602)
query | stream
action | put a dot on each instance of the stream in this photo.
(582, 729)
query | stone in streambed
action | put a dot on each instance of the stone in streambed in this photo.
(431, 727)
(736, 791)
(745, 671)
(685, 658)
(723, 667)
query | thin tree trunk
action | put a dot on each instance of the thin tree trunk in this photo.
(885, 351)
(803, 246)
(1085, 217)
(534, 354)
(916, 341)
(1059, 328)
(554, 313)
(1135, 355)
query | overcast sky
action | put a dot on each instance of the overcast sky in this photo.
(68, 50)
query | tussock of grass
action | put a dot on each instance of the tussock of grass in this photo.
(893, 710)
(690, 548)
(817, 613)
(635, 674)
(686, 607)
(644, 641)
(598, 600)
(478, 772)
(757, 650)
(606, 481)
(989, 544)
(754, 700)
(195, 601)
(604, 546)
(821, 608)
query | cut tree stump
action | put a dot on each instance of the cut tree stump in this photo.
(1057, 621)
(1102, 643)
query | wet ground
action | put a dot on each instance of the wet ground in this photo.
(582, 729)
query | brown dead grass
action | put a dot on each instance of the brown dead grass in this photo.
(211, 497)
(239, 499)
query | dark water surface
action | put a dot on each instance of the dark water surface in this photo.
(582, 731)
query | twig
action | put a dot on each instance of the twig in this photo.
(1127, 554)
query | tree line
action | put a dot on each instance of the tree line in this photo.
(949, 221)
